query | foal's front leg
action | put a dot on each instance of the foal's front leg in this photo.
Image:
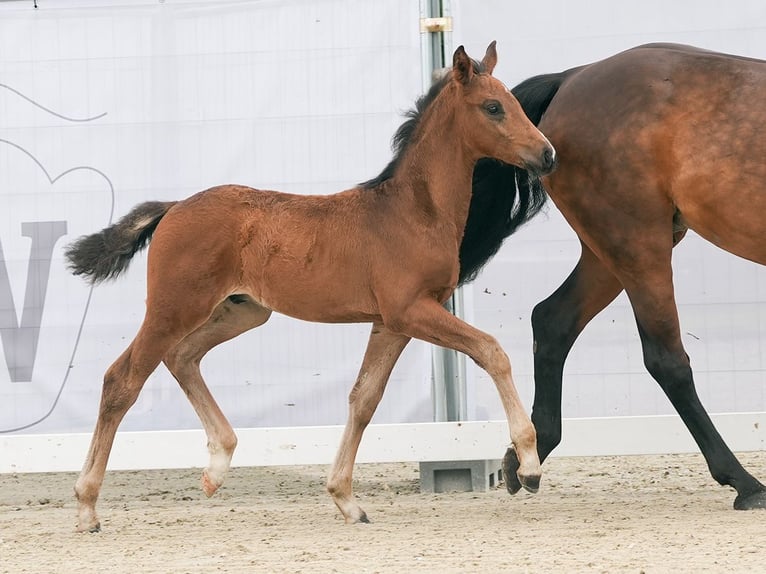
(383, 350)
(429, 321)
(556, 323)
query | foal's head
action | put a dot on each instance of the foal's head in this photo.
(491, 119)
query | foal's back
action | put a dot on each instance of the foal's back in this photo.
(278, 248)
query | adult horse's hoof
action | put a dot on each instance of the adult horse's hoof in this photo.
(510, 471)
(753, 501)
(510, 467)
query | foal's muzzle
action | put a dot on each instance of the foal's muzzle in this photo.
(543, 163)
(549, 161)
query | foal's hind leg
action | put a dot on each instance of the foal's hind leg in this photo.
(556, 323)
(122, 383)
(383, 350)
(231, 318)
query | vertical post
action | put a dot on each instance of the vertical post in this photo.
(448, 371)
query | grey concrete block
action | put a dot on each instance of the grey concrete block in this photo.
(460, 475)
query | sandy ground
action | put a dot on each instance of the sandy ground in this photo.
(609, 514)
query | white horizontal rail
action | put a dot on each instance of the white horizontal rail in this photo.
(419, 442)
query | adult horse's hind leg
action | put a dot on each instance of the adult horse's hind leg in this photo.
(556, 323)
(232, 317)
(383, 350)
(652, 297)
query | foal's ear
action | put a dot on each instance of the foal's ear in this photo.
(490, 58)
(462, 67)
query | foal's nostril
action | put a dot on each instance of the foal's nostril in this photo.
(549, 160)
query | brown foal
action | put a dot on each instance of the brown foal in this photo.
(385, 252)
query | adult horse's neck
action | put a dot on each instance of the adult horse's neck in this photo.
(436, 168)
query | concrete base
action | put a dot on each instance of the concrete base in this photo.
(460, 475)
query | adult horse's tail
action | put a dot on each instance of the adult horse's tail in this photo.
(106, 254)
(535, 94)
(504, 196)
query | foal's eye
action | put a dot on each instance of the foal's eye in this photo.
(493, 108)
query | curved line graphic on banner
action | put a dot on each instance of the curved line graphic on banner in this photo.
(53, 180)
(42, 107)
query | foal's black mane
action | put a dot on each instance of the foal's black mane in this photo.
(504, 196)
(403, 135)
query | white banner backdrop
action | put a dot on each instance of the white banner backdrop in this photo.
(721, 298)
(107, 104)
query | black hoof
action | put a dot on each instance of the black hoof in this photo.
(363, 519)
(753, 501)
(531, 484)
(510, 468)
(96, 528)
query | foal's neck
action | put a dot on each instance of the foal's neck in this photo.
(437, 166)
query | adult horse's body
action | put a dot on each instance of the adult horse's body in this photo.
(651, 142)
(385, 252)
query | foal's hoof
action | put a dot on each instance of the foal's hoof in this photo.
(361, 519)
(753, 501)
(209, 486)
(531, 483)
(91, 529)
(513, 482)
(87, 519)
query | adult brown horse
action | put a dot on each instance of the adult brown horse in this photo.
(385, 252)
(651, 142)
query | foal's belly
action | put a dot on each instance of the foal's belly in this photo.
(321, 295)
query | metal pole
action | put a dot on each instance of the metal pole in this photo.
(449, 375)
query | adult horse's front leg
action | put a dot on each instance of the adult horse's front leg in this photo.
(383, 350)
(428, 320)
(556, 323)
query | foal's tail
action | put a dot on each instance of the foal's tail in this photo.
(106, 254)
